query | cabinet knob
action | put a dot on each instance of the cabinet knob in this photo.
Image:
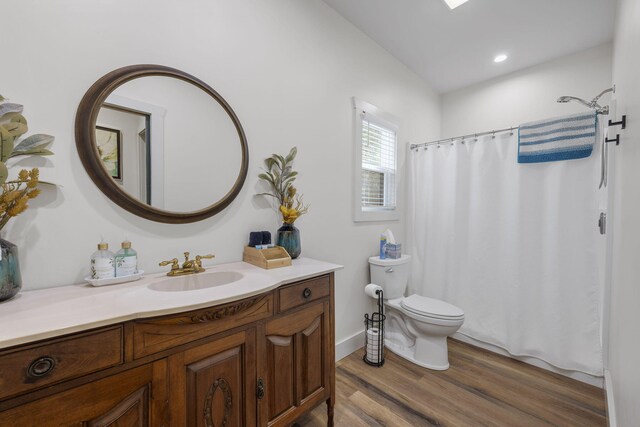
(306, 293)
(260, 388)
(41, 367)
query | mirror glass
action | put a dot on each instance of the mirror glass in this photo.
(168, 144)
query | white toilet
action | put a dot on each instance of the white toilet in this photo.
(416, 327)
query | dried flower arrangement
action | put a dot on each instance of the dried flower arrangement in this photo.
(279, 174)
(15, 193)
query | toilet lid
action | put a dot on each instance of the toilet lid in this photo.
(431, 307)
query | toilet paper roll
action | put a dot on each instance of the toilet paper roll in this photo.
(371, 289)
(373, 345)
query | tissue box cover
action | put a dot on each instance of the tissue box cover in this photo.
(393, 251)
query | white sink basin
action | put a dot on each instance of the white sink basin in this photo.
(193, 282)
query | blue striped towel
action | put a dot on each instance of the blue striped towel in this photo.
(561, 138)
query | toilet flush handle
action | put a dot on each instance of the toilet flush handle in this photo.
(389, 270)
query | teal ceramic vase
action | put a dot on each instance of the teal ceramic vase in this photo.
(10, 278)
(289, 238)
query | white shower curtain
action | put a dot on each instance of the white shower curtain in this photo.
(516, 246)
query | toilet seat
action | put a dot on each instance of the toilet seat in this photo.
(432, 308)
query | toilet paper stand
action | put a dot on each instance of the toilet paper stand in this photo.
(374, 334)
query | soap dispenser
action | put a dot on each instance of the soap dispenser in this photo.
(102, 262)
(126, 260)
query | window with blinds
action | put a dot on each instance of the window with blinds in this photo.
(378, 174)
(375, 163)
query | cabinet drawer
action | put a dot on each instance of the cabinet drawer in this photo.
(303, 292)
(39, 365)
(163, 333)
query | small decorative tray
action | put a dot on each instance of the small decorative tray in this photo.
(115, 280)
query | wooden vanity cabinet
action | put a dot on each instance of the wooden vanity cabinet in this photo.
(261, 361)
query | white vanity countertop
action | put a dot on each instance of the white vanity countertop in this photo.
(46, 313)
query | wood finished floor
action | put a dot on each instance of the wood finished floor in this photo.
(480, 388)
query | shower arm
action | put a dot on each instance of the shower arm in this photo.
(594, 101)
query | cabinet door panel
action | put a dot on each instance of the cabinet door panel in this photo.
(280, 381)
(133, 411)
(312, 366)
(214, 384)
(214, 387)
(293, 366)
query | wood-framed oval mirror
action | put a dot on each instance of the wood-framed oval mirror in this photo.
(161, 143)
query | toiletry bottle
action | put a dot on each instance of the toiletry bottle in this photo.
(102, 263)
(126, 260)
(383, 243)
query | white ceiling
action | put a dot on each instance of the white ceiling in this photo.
(451, 49)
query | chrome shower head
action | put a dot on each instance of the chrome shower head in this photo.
(593, 104)
(564, 99)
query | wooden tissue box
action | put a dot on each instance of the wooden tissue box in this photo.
(266, 258)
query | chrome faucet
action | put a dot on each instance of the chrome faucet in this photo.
(189, 266)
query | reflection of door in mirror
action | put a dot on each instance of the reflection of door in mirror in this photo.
(137, 121)
(121, 159)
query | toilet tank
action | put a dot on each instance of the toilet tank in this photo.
(391, 274)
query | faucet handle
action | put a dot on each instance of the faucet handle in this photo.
(199, 259)
(173, 262)
(186, 256)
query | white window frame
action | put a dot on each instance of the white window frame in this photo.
(373, 114)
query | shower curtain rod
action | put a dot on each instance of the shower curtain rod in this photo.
(413, 147)
(462, 137)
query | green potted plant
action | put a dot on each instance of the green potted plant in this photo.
(279, 175)
(15, 193)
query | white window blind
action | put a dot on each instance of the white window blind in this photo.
(378, 166)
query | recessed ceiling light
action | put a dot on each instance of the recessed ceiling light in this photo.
(454, 3)
(500, 58)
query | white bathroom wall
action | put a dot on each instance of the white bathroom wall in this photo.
(624, 345)
(288, 68)
(527, 95)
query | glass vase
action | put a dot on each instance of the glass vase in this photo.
(10, 278)
(289, 238)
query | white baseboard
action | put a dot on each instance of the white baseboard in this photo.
(349, 345)
(580, 376)
(608, 392)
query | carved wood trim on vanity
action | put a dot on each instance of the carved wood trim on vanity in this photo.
(211, 315)
(154, 335)
(200, 367)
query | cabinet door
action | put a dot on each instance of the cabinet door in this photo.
(293, 364)
(214, 384)
(134, 398)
